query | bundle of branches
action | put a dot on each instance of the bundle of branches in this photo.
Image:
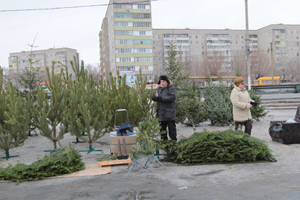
(63, 161)
(225, 146)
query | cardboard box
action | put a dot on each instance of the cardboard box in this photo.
(130, 141)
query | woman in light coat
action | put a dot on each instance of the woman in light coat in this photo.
(240, 99)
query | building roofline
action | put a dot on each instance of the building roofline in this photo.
(46, 50)
(201, 29)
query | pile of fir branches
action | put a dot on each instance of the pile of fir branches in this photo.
(225, 146)
(62, 161)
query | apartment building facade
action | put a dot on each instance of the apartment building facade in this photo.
(40, 59)
(128, 43)
(126, 40)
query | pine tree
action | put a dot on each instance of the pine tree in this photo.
(88, 112)
(29, 80)
(145, 107)
(217, 103)
(14, 118)
(174, 68)
(189, 106)
(258, 111)
(48, 115)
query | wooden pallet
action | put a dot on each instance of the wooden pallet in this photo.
(115, 162)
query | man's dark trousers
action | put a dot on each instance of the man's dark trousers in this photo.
(247, 124)
(172, 130)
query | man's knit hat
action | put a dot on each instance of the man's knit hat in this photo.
(164, 77)
(239, 80)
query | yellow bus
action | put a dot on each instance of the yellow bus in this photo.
(267, 81)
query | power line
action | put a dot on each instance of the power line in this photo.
(68, 7)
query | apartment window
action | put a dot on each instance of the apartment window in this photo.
(297, 54)
(124, 41)
(202, 37)
(291, 37)
(191, 47)
(196, 42)
(159, 37)
(143, 50)
(291, 32)
(191, 42)
(190, 36)
(142, 24)
(123, 15)
(292, 43)
(159, 48)
(141, 15)
(142, 32)
(297, 43)
(153, 42)
(123, 59)
(242, 37)
(237, 42)
(143, 41)
(160, 53)
(124, 32)
(141, 6)
(196, 47)
(196, 37)
(142, 59)
(159, 42)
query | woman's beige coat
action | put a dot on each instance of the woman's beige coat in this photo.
(241, 104)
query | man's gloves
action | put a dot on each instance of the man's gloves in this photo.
(159, 98)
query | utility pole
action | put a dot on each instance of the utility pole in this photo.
(247, 46)
(272, 62)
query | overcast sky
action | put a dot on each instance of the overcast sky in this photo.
(79, 28)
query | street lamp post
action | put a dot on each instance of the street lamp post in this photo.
(247, 46)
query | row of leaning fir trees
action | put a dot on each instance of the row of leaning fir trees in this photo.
(83, 107)
(86, 108)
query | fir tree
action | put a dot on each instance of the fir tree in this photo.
(14, 118)
(48, 115)
(91, 110)
(217, 103)
(174, 68)
(258, 111)
(189, 106)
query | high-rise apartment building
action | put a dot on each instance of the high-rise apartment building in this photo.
(129, 43)
(126, 39)
(40, 59)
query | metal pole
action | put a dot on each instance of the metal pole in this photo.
(272, 62)
(247, 46)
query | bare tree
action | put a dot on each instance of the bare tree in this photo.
(94, 70)
(213, 63)
(293, 69)
(260, 64)
(238, 64)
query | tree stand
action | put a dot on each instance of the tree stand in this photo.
(151, 158)
(8, 156)
(134, 163)
(51, 151)
(158, 154)
(29, 132)
(78, 141)
(90, 149)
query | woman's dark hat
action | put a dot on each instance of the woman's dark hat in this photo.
(164, 77)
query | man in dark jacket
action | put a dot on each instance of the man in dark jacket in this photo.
(165, 96)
